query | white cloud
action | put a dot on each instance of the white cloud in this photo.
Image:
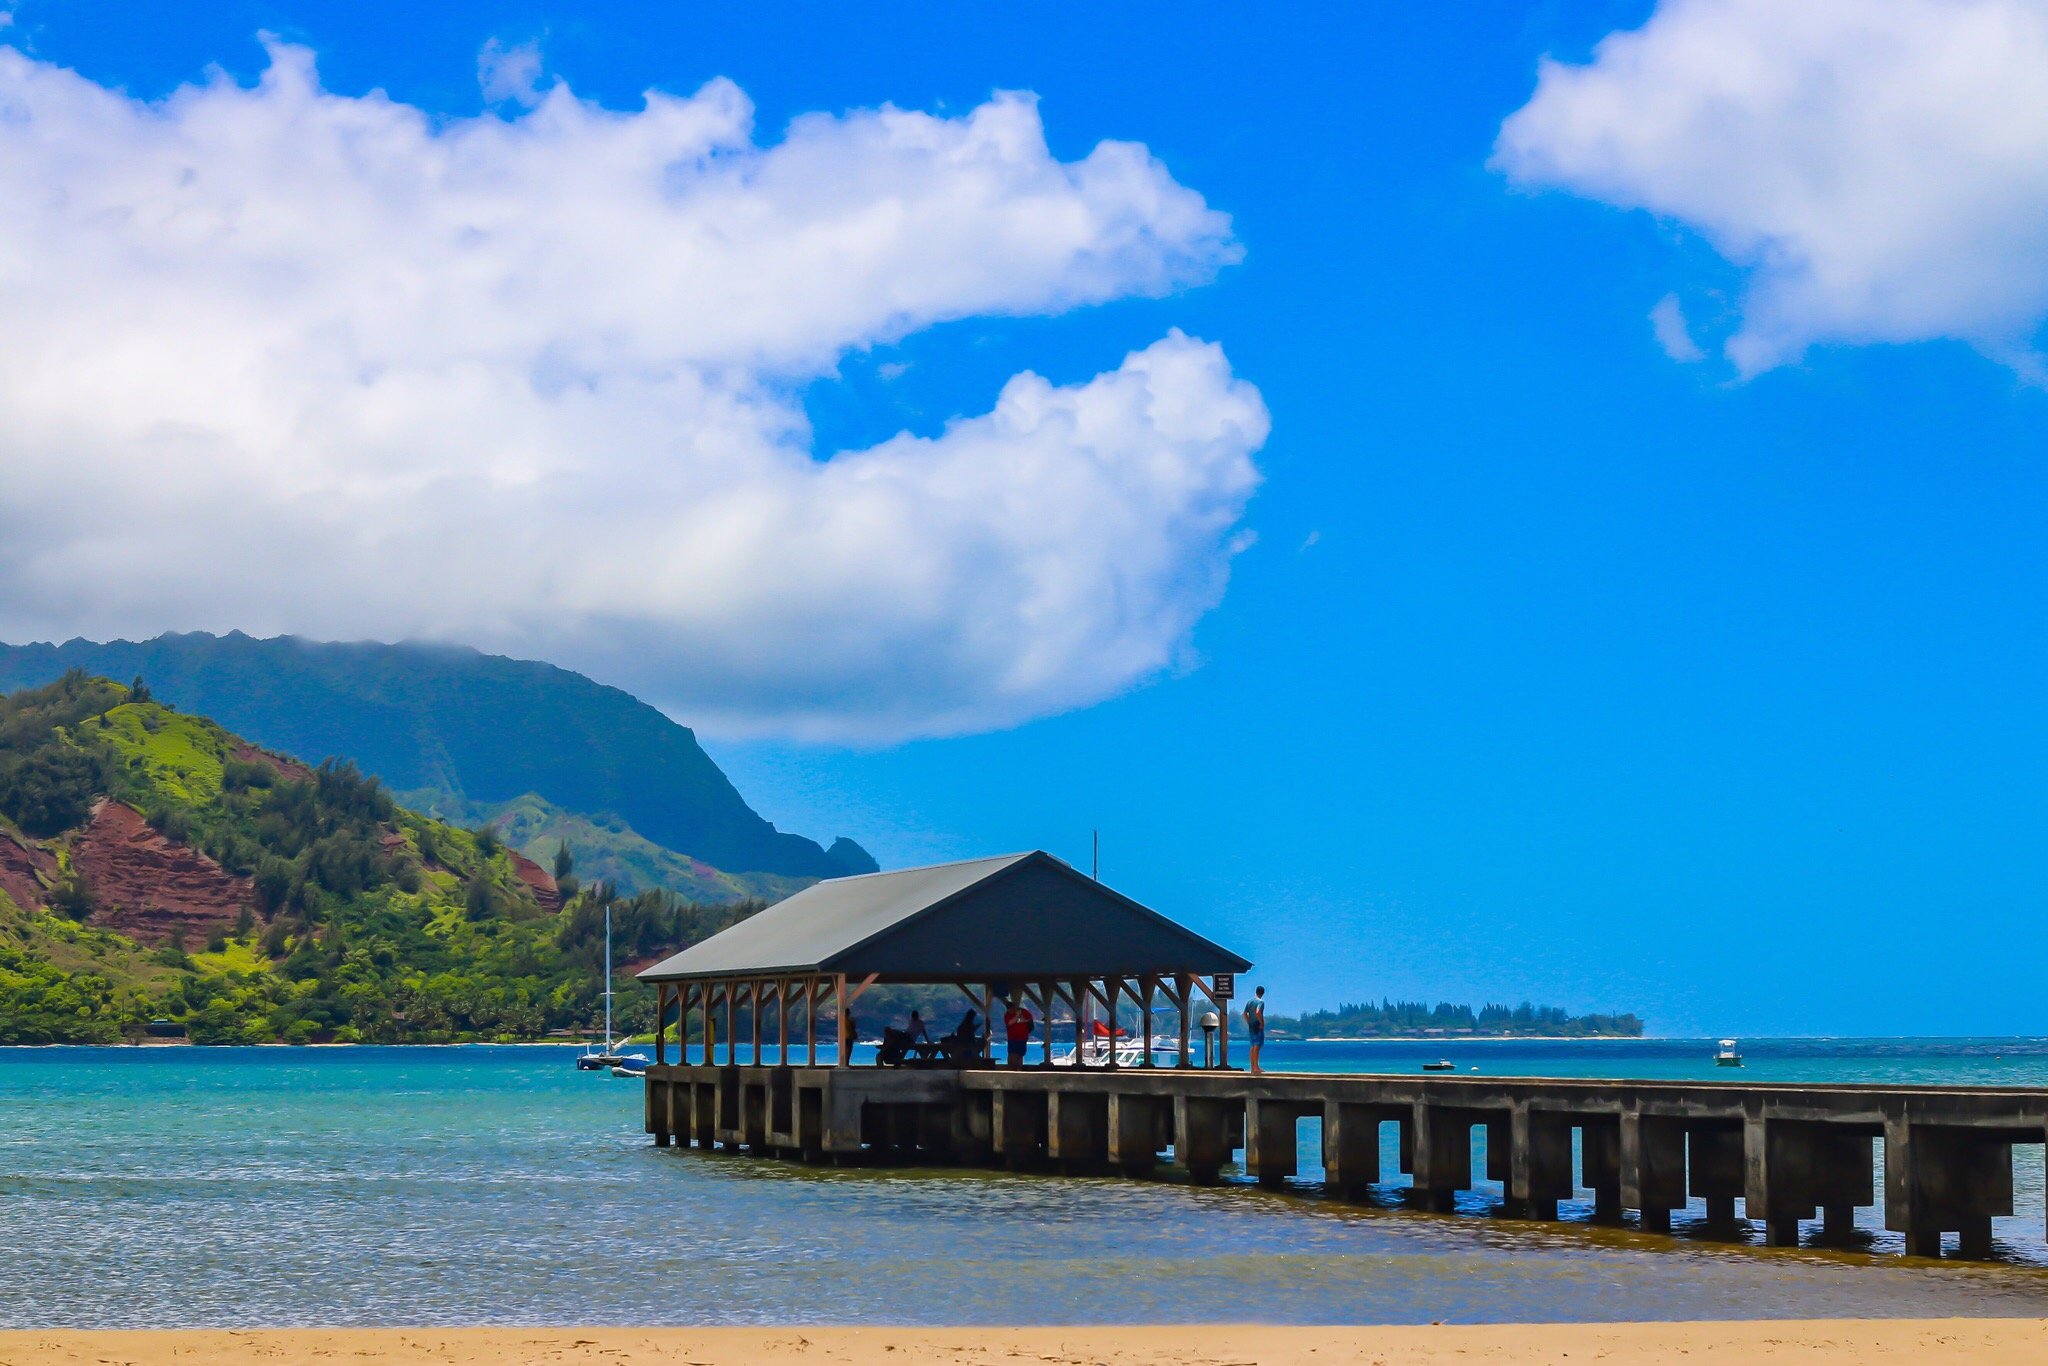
(510, 73)
(1880, 168)
(279, 359)
(1667, 322)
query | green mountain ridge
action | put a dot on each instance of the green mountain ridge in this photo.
(605, 848)
(155, 864)
(469, 730)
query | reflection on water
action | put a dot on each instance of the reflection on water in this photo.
(219, 1187)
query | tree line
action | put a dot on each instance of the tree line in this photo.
(366, 922)
(1364, 1020)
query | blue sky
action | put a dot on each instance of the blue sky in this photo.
(1558, 668)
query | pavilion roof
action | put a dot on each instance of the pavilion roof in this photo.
(1024, 916)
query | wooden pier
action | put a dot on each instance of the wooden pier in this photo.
(1801, 1159)
(1029, 930)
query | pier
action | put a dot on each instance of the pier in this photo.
(1801, 1160)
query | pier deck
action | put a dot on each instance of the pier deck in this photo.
(1790, 1153)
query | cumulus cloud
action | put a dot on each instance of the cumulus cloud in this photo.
(281, 359)
(1879, 169)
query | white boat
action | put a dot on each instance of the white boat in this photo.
(609, 1058)
(1728, 1056)
(1129, 1052)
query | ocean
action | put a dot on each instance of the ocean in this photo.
(188, 1187)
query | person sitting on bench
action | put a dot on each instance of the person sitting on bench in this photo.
(964, 1043)
(895, 1049)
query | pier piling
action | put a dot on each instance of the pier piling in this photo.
(1652, 1166)
(1793, 1154)
(1139, 1127)
(1945, 1178)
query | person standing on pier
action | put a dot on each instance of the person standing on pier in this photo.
(1255, 1025)
(1017, 1024)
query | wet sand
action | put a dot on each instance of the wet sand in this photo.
(1992, 1341)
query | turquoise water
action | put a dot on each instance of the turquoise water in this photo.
(204, 1187)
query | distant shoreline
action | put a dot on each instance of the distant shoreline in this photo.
(574, 1043)
(1462, 1038)
(1237, 1041)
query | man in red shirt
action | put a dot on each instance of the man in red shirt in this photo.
(1017, 1024)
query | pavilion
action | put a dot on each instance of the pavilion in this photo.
(1025, 926)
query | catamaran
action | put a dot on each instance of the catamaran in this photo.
(609, 1058)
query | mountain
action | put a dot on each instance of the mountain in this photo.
(605, 848)
(460, 730)
(154, 864)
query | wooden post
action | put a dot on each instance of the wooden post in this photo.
(811, 1021)
(782, 1021)
(660, 1024)
(710, 1025)
(732, 1028)
(1184, 988)
(988, 1025)
(1079, 989)
(757, 995)
(1145, 1023)
(1110, 995)
(839, 1000)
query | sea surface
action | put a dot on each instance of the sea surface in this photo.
(188, 1187)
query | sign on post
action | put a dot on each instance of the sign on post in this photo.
(1223, 986)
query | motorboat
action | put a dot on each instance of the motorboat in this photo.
(1104, 1045)
(1440, 1065)
(1128, 1052)
(1729, 1056)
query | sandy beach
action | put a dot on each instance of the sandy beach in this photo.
(1902, 1340)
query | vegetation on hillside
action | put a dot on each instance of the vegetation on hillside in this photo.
(466, 726)
(606, 848)
(1365, 1021)
(362, 920)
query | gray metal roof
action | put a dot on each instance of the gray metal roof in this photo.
(1022, 915)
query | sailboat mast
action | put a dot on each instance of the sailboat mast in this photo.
(607, 976)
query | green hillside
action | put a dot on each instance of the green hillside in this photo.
(604, 848)
(154, 864)
(471, 730)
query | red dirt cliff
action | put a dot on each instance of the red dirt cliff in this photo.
(146, 886)
(538, 881)
(18, 869)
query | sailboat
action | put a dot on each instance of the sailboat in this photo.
(609, 1058)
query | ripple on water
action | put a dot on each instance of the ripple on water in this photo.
(443, 1186)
